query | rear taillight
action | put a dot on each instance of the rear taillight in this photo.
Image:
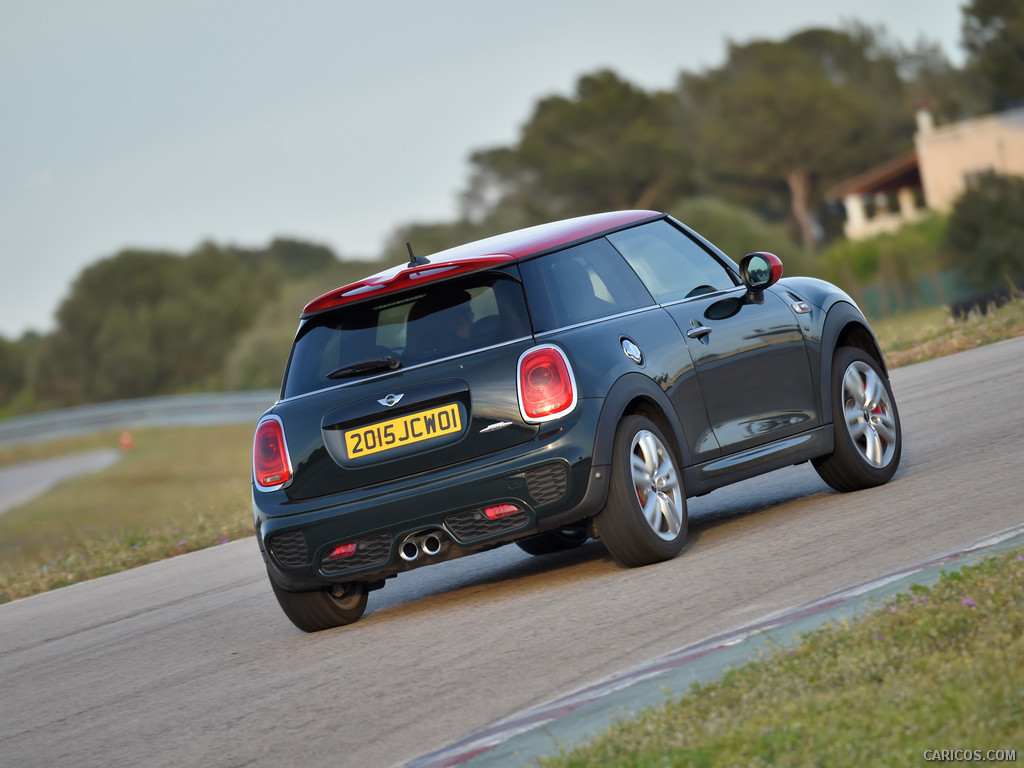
(547, 388)
(271, 467)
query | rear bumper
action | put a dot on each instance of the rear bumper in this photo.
(550, 481)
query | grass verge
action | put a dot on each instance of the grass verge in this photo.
(939, 668)
(175, 491)
(930, 333)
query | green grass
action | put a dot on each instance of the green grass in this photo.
(940, 668)
(175, 491)
(931, 333)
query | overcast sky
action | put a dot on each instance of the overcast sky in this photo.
(163, 123)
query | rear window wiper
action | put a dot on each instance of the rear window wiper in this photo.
(386, 363)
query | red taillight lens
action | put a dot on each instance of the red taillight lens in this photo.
(546, 386)
(270, 464)
(500, 510)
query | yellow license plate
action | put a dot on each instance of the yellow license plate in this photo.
(405, 430)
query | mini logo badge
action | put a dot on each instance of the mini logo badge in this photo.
(391, 399)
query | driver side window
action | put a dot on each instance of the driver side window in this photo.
(670, 264)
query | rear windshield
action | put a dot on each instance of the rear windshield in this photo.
(441, 320)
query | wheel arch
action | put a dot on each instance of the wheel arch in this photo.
(634, 393)
(845, 326)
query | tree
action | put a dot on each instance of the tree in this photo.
(502, 193)
(99, 325)
(608, 146)
(293, 258)
(611, 145)
(12, 370)
(737, 230)
(798, 115)
(144, 323)
(951, 94)
(986, 231)
(993, 35)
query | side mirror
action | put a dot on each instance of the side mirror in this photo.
(760, 270)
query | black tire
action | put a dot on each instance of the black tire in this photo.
(655, 482)
(319, 610)
(868, 435)
(554, 541)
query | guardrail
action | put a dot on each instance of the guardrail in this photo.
(167, 411)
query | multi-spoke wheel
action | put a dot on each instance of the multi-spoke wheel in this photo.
(869, 415)
(868, 439)
(644, 520)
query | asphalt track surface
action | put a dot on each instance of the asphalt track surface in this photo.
(190, 661)
(24, 481)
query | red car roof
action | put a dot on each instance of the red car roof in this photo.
(480, 254)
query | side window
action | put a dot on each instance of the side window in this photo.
(581, 283)
(669, 263)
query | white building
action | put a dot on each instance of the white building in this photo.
(932, 175)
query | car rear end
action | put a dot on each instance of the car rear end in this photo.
(412, 429)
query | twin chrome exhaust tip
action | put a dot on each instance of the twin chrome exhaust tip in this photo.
(428, 544)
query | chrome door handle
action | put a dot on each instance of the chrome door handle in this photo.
(698, 333)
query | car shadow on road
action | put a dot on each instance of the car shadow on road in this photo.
(753, 496)
(506, 566)
(499, 568)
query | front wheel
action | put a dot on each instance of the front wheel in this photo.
(644, 520)
(320, 609)
(868, 435)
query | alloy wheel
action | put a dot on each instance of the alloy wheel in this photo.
(868, 414)
(657, 485)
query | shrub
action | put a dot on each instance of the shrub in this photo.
(985, 238)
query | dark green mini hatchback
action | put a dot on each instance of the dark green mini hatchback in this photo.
(570, 381)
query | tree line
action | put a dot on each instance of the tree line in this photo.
(143, 323)
(743, 152)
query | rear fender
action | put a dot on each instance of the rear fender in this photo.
(631, 393)
(636, 393)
